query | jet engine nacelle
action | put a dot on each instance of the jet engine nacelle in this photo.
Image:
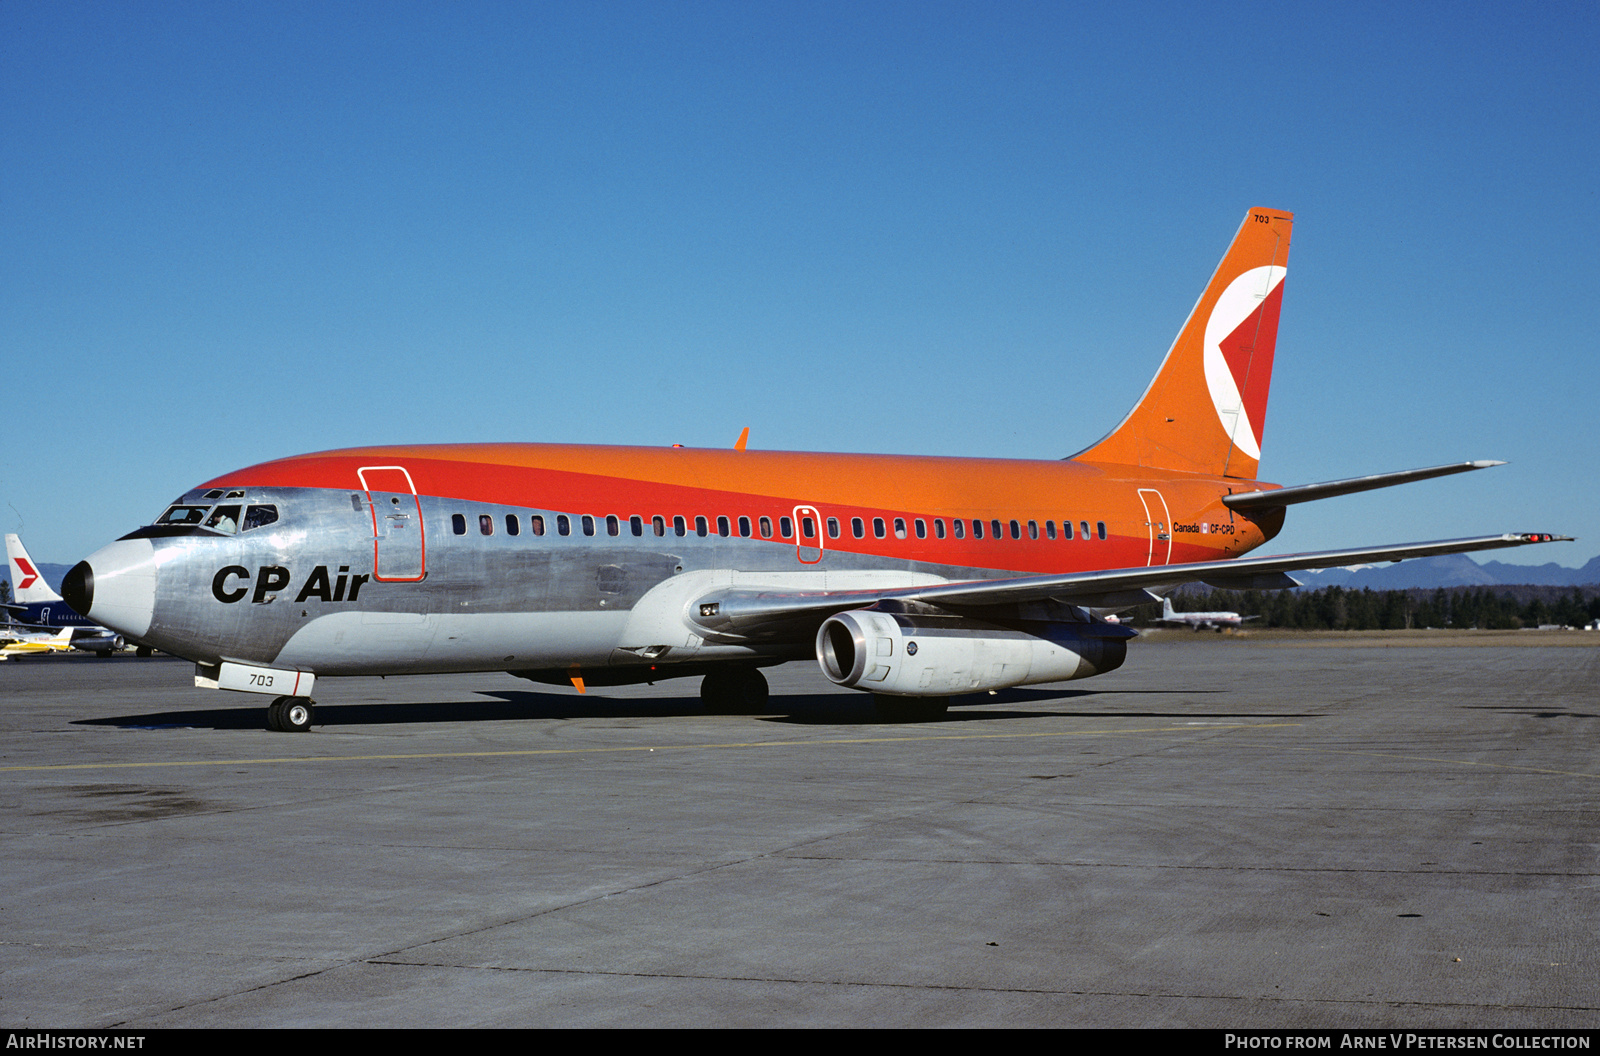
(114, 643)
(914, 655)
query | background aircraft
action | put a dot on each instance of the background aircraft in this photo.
(18, 644)
(1201, 620)
(910, 578)
(36, 612)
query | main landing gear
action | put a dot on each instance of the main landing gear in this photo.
(291, 714)
(734, 691)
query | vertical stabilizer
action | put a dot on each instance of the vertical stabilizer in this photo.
(27, 585)
(1206, 408)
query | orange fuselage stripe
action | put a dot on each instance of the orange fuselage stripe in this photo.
(696, 482)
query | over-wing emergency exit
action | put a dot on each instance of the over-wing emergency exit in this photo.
(913, 578)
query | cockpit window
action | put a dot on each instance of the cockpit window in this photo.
(256, 516)
(184, 515)
(224, 519)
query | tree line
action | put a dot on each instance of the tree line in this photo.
(1341, 609)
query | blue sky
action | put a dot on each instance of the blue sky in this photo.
(234, 232)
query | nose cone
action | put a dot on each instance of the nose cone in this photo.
(116, 586)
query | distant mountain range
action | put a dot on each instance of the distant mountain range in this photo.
(1456, 570)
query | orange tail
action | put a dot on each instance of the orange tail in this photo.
(1205, 409)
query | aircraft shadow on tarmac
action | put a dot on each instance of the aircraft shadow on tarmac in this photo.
(1537, 713)
(833, 709)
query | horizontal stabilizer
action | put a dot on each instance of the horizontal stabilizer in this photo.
(1256, 500)
(744, 612)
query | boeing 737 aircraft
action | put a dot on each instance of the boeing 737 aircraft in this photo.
(912, 578)
(1201, 620)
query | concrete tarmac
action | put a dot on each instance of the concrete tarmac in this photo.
(1228, 832)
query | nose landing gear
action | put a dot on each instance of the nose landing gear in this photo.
(291, 714)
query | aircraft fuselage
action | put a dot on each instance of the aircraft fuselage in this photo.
(551, 556)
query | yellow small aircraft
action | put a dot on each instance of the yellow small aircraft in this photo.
(30, 644)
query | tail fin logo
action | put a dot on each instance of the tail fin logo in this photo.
(1241, 334)
(1218, 369)
(29, 574)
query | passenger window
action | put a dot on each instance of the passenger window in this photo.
(765, 524)
(613, 526)
(636, 525)
(485, 524)
(899, 527)
(659, 526)
(833, 528)
(1049, 529)
(996, 526)
(938, 527)
(1016, 530)
(744, 527)
(588, 524)
(1033, 529)
(678, 527)
(257, 516)
(722, 527)
(563, 524)
(959, 526)
(786, 527)
(977, 528)
(1100, 529)
(513, 526)
(700, 527)
(1083, 529)
(877, 527)
(458, 523)
(808, 527)
(1066, 530)
(922, 529)
(537, 522)
(859, 529)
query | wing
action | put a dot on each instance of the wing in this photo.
(746, 613)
